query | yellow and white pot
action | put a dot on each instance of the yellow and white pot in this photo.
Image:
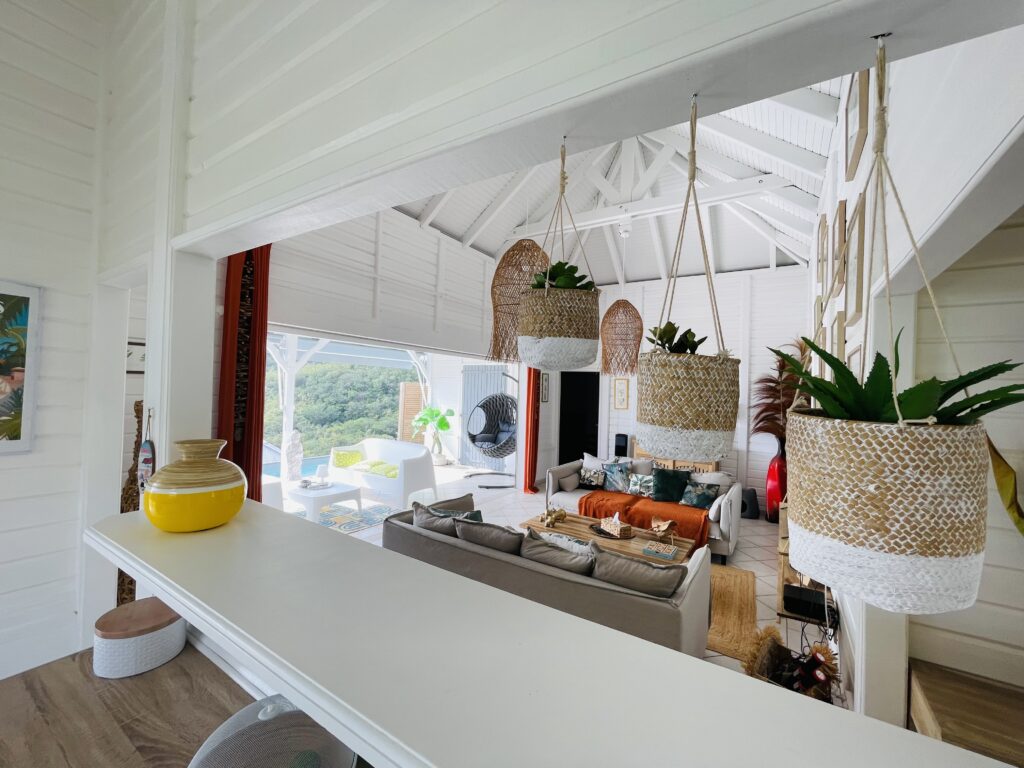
(197, 492)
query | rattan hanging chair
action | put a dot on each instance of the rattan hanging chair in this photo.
(513, 275)
(622, 330)
(497, 438)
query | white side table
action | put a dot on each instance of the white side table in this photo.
(315, 500)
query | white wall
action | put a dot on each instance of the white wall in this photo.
(50, 65)
(383, 277)
(759, 308)
(982, 302)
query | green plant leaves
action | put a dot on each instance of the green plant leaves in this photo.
(665, 337)
(562, 275)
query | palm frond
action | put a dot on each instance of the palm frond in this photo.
(773, 395)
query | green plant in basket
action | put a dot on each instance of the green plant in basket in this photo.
(847, 398)
(665, 337)
(562, 275)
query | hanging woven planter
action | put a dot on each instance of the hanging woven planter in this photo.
(622, 330)
(514, 273)
(687, 405)
(686, 402)
(558, 328)
(893, 514)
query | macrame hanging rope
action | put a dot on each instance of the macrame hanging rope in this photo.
(556, 224)
(673, 275)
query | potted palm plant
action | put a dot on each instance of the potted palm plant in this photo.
(888, 490)
(437, 421)
(772, 399)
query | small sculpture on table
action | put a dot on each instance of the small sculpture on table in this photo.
(553, 516)
(662, 528)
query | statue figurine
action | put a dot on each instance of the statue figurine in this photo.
(293, 454)
(553, 516)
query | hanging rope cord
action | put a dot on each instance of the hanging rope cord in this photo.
(556, 224)
(673, 274)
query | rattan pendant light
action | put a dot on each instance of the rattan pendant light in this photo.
(622, 330)
(558, 327)
(514, 273)
(687, 403)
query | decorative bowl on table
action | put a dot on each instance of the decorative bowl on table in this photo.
(197, 492)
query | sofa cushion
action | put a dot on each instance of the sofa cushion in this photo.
(669, 484)
(593, 463)
(489, 535)
(568, 500)
(536, 549)
(641, 466)
(438, 521)
(641, 485)
(458, 504)
(700, 495)
(635, 574)
(616, 477)
(343, 459)
(592, 478)
(723, 480)
(566, 542)
(570, 483)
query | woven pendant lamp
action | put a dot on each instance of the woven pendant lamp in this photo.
(686, 403)
(558, 327)
(622, 330)
(514, 273)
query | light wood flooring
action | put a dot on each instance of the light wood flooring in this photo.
(60, 715)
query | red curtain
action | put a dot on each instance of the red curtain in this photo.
(243, 363)
(532, 430)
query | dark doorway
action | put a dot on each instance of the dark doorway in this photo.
(577, 421)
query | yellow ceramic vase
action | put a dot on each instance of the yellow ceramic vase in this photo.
(197, 492)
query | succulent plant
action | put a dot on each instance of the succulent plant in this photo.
(847, 398)
(562, 275)
(664, 337)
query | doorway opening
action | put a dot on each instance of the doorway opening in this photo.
(578, 415)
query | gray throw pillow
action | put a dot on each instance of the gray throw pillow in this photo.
(489, 535)
(635, 574)
(538, 550)
(438, 522)
(570, 483)
(459, 504)
(642, 466)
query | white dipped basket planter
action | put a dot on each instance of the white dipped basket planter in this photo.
(686, 405)
(894, 515)
(558, 328)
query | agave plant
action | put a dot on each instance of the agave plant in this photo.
(562, 275)
(773, 396)
(847, 398)
(664, 337)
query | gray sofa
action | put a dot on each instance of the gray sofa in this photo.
(679, 622)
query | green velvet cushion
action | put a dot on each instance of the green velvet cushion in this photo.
(669, 484)
(345, 459)
(701, 495)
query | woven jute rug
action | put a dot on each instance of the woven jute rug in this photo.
(733, 611)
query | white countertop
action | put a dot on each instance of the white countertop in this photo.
(415, 666)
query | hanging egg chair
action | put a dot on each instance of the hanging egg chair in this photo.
(622, 330)
(496, 438)
(686, 402)
(513, 275)
(558, 327)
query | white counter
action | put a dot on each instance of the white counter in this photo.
(414, 666)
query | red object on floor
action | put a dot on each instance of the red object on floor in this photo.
(532, 430)
(638, 511)
(775, 486)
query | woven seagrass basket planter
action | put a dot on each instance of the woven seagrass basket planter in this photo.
(686, 405)
(894, 515)
(558, 328)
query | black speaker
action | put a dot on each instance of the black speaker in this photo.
(621, 445)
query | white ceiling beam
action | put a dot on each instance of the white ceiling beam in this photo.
(709, 238)
(653, 171)
(647, 179)
(613, 251)
(813, 105)
(584, 237)
(627, 174)
(604, 186)
(805, 203)
(789, 155)
(510, 190)
(788, 244)
(660, 252)
(785, 218)
(433, 207)
(707, 159)
(592, 158)
(663, 205)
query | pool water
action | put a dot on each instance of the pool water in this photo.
(309, 466)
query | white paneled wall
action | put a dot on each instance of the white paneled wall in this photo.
(131, 123)
(50, 62)
(759, 308)
(383, 277)
(982, 301)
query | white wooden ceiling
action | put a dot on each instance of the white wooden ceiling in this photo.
(760, 171)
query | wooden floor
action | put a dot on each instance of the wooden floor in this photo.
(61, 715)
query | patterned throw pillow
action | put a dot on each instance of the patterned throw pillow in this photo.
(591, 479)
(616, 477)
(700, 495)
(641, 485)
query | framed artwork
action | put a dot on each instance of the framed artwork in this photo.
(838, 256)
(838, 335)
(822, 249)
(856, 121)
(544, 383)
(620, 394)
(854, 360)
(854, 301)
(19, 363)
(135, 357)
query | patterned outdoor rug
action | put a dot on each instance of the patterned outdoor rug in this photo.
(733, 611)
(346, 519)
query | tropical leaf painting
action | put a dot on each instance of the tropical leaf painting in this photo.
(15, 319)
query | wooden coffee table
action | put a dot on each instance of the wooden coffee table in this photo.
(579, 528)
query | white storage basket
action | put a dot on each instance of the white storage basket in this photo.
(135, 638)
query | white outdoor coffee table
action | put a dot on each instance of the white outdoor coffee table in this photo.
(315, 500)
